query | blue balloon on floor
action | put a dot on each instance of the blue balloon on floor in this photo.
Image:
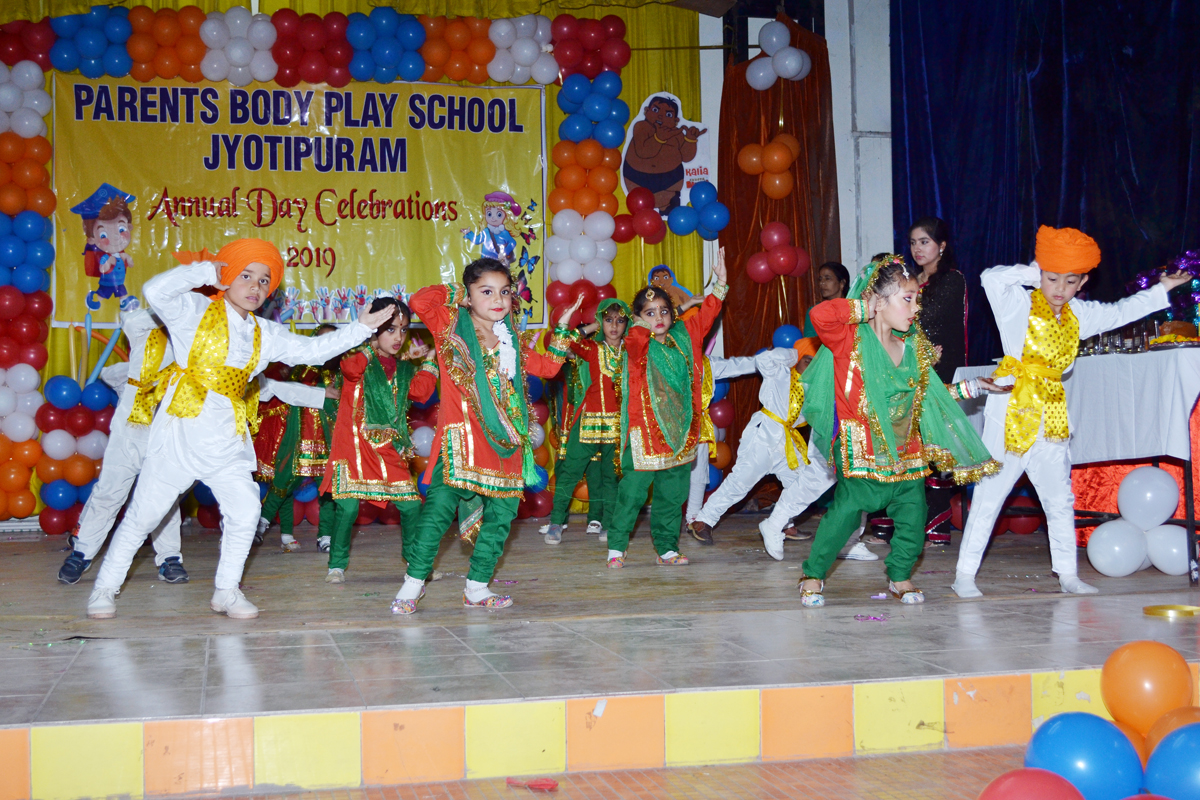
(422, 484)
(307, 491)
(576, 87)
(714, 477)
(786, 336)
(1174, 767)
(720, 390)
(702, 194)
(609, 134)
(62, 392)
(543, 478)
(59, 494)
(1088, 751)
(683, 220)
(536, 387)
(203, 494)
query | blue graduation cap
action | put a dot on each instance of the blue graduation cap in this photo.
(90, 208)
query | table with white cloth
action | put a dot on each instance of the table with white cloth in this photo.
(1124, 407)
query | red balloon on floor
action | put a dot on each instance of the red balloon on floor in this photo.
(209, 516)
(53, 521)
(1027, 784)
(367, 513)
(541, 504)
(721, 413)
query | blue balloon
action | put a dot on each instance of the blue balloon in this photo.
(46, 281)
(386, 20)
(5, 276)
(64, 55)
(786, 336)
(683, 220)
(117, 61)
(720, 390)
(48, 234)
(609, 134)
(412, 66)
(360, 33)
(566, 104)
(92, 67)
(385, 74)
(91, 43)
(543, 478)
(596, 107)
(59, 494)
(1174, 767)
(203, 494)
(82, 493)
(619, 111)
(62, 392)
(307, 492)
(1088, 751)
(433, 398)
(262, 491)
(29, 225)
(118, 11)
(386, 52)
(117, 29)
(12, 250)
(608, 84)
(706, 234)
(715, 476)
(576, 87)
(362, 66)
(422, 484)
(575, 128)
(96, 396)
(5, 225)
(714, 216)
(410, 34)
(66, 27)
(536, 387)
(28, 278)
(96, 17)
(702, 194)
(358, 16)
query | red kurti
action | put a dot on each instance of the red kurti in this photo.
(599, 415)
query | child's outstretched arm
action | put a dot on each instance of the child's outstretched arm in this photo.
(557, 351)
(699, 325)
(293, 393)
(834, 322)
(1096, 318)
(280, 344)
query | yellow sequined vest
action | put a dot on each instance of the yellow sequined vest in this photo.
(708, 432)
(797, 448)
(146, 383)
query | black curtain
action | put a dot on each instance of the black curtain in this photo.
(1019, 113)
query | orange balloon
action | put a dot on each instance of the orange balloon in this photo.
(5, 173)
(1169, 723)
(418, 464)
(432, 74)
(12, 147)
(458, 67)
(589, 154)
(1136, 739)
(4, 506)
(572, 178)
(541, 455)
(479, 74)
(166, 63)
(41, 200)
(28, 173)
(190, 48)
(789, 141)
(479, 27)
(435, 52)
(457, 35)
(722, 456)
(586, 200)
(21, 504)
(190, 19)
(602, 179)
(166, 28)
(435, 27)
(750, 159)
(560, 199)
(612, 158)
(777, 185)
(191, 73)
(776, 157)
(141, 47)
(608, 204)
(48, 469)
(141, 18)
(1143, 680)
(563, 154)
(38, 148)
(6, 448)
(12, 199)
(581, 491)
(481, 51)
(79, 469)
(27, 453)
(14, 476)
(143, 71)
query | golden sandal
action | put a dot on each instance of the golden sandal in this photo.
(909, 597)
(809, 598)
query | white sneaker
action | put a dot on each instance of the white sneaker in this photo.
(233, 604)
(336, 576)
(1072, 585)
(554, 534)
(289, 544)
(323, 544)
(263, 525)
(773, 540)
(595, 527)
(860, 553)
(103, 603)
(964, 585)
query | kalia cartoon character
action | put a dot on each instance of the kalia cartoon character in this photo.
(657, 152)
(498, 237)
(108, 226)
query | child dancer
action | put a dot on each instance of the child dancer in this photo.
(201, 430)
(1028, 430)
(874, 384)
(660, 416)
(481, 450)
(371, 447)
(595, 424)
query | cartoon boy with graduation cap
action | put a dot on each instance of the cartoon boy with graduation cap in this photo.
(108, 226)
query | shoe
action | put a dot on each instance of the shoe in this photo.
(1072, 585)
(171, 570)
(617, 562)
(323, 544)
(258, 539)
(810, 598)
(677, 560)
(406, 607)
(336, 576)
(909, 597)
(73, 568)
(871, 538)
(792, 535)
(233, 604)
(554, 534)
(595, 527)
(701, 532)
(937, 538)
(492, 601)
(289, 544)
(130, 303)
(103, 603)
(264, 525)
(772, 540)
(92, 300)
(860, 553)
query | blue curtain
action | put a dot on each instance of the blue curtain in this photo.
(1020, 113)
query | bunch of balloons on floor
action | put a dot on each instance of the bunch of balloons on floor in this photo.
(1146, 498)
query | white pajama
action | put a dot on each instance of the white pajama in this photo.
(812, 480)
(722, 368)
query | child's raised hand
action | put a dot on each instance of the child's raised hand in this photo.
(564, 319)
(718, 268)
(332, 392)
(375, 319)
(217, 265)
(416, 350)
(1172, 279)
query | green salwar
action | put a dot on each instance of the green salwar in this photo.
(346, 512)
(601, 480)
(666, 516)
(279, 501)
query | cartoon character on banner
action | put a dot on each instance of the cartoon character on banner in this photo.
(498, 237)
(664, 278)
(664, 153)
(108, 227)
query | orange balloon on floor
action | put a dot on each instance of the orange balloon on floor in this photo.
(1168, 723)
(1141, 681)
(79, 469)
(581, 491)
(722, 455)
(27, 453)
(14, 476)
(21, 504)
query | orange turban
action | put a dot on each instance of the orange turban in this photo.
(1065, 250)
(237, 255)
(806, 347)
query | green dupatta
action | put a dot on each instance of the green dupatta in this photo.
(385, 402)
(669, 374)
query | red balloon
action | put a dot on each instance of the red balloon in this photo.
(103, 419)
(721, 413)
(80, 420)
(782, 259)
(557, 293)
(9, 353)
(587, 290)
(615, 54)
(803, 262)
(287, 77)
(637, 200)
(312, 511)
(646, 222)
(337, 77)
(287, 52)
(48, 418)
(758, 268)
(367, 513)
(12, 302)
(312, 35)
(309, 17)
(24, 329)
(1030, 519)
(568, 53)
(313, 68)
(286, 22)
(523, 507)
(335, 25)
(774, 234)
(34, 355)
(541, 411)
(562, 28)
(389, 515)
(541, 504)
(623, 231)
(1026, 784)
(591, 65)
(12, 49)
(38, 305)
(338, 53)
(73, 515)
(209, 516)
(42, 59)
(38, 37)
(591, 34)
(657, 236)
(53, 521)
(605, 292)
(614, 26)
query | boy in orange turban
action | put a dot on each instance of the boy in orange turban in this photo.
(1027, 429)
(201, 429)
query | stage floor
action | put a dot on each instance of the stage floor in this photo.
(731, 619)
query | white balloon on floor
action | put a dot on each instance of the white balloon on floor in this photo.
(1147, 497)
(1167, 548)
(1116, 548)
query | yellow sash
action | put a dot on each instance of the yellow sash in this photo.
(708, 433)
(797, 448)
(1038, 399)
(206, 371)
(145, 401)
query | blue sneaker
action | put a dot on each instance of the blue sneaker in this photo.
(73, 568)
(172, 571)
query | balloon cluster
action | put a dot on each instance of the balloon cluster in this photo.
(24, 179)
(1147, 497)
(773, 162)
(93, 43)
(586, 178)
(208, 514)
(23, 327)
(521, 51)
(458, 49)
(19, 451)
(594, 109)
(239, 50)
(779, 258)
(24, 100)
(74, 425)
(720, 411)
(384, 46)
(779, 59)
(588, 46)
(581, 248)
(164, 44)
(703, 213)
(22, 40)
(642, 220)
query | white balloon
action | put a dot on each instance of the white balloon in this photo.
(214, 33)
(29, 402)
(58, 444)
(551, 274)
(8, 401)
(92, 444)
(787, 62)
(583, 249)
(526, 26)
(216, 15)
(557, 249)
(20, 427)
(11, 97)
(261, 17)
(805, 67)
(1147, 497)
(238, 19)
(760, 74)
(599, 225)
(598, 271)
(4, 123)
(1116, 548)
(520, 75)
(773, 37)
(544, 70)
(27, 75)
(4, 375)
(22, 378)
(500, 68)
(26, 123)
(568, 271)
(537, 435)
(263, 66)
(1146, 562)
(38, 100)
(422, 439)
(567, 223)
(502, 33)
(606, 250)
(240, 76)
(525, 52)
(4, 73)
(239, 51)
(543, 34)
(1166, 546)
(44, 131)
(261, 34)
(215, 66)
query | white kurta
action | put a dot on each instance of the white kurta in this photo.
(722, 369)
(1047, 463)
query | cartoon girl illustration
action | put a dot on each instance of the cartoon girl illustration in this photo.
(498, 237)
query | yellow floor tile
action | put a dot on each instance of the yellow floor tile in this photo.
(989, 711)
(199, 755)
(1069, 690)
(712, 727)
(516, 739)
(14, 764)
(807, 722)
(615, 733)
(104, 760)
(309, 751)
(413, 746)
(899, 716)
